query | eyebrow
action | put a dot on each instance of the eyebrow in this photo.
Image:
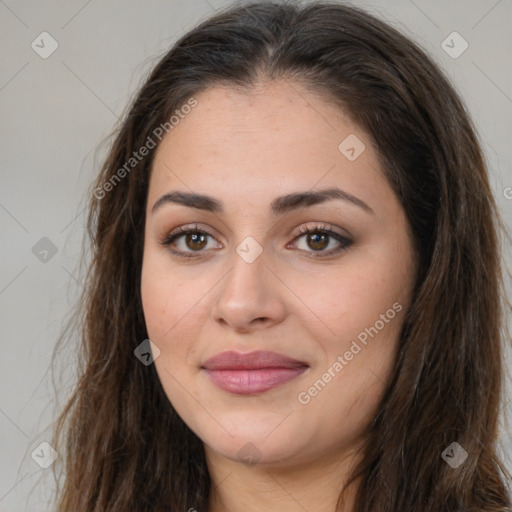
(278, 206)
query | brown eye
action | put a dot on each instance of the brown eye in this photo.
(195, 241)
(317, 241)
(319, 238)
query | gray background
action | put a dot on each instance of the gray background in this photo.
(55, 112)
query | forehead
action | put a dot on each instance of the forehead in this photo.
(272, 140)
(282, 113)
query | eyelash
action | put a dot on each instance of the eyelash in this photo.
(322, 230)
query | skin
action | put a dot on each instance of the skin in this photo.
(245, 149)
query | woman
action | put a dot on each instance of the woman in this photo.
(294, 301)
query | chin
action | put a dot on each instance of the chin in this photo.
(252, 440)
(253, 450)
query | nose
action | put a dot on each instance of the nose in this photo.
(250, 297)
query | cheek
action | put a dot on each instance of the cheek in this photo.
(165, 312)
(351, 383)
(363, 306)
(165, 298)
(173, 311)
(158, 313)
(354, 297)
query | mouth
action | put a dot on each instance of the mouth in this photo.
(253, 372)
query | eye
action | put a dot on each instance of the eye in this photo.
(193, 238)
(319, 238)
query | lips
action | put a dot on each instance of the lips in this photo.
(253, 372)
(232, 360)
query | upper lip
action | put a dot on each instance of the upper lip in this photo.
(231, 360)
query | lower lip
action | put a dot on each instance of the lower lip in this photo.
(247, 382)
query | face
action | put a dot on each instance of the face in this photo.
(321, 282)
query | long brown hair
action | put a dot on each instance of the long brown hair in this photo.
(124, 446)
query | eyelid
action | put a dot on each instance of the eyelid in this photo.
(319, 226)
(183, 230)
